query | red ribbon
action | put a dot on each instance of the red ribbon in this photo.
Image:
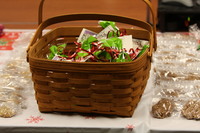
(96, 46)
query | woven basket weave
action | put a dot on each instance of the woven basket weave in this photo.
(88, 87)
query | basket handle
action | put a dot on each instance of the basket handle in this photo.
(73, 17)
(148, 3)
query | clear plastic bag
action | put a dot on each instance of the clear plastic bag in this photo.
(15, 83)
(176, 73)
(195, 31)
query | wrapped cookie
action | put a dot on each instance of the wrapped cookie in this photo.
(8, 109)
(191, 110)
(163, 108)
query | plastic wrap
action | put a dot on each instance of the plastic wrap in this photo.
(163, 108)
(191, 110)
(177, 77)
(8, 109)
(195, 31)
(15, 83)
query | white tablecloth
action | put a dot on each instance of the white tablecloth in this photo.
(31, 120)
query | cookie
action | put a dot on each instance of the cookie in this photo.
(7, 112)
(169, 92)
(163, 108)
(191, 110)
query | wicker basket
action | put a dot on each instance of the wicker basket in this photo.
(88, 87)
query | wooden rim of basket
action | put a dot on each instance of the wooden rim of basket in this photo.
(93, 16)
